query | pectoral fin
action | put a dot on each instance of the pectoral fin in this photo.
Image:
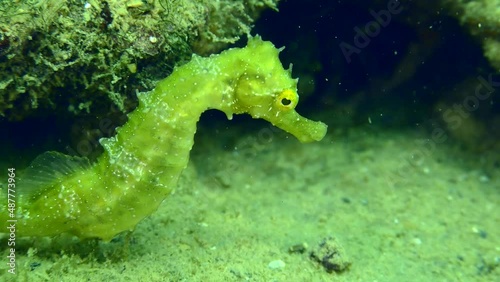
(46, 170)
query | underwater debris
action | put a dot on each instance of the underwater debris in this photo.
(298, 248)
(331, 255)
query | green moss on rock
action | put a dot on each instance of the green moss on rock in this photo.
(481, 19)
(76, 56)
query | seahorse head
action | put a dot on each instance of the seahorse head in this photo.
(266, 90)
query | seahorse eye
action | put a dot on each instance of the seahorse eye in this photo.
(285, 102)
(287, 99)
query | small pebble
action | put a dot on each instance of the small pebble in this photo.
(483, 234)
(276, 264)
(484, 179)
(417, 241)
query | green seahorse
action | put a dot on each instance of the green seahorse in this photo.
(140, 166)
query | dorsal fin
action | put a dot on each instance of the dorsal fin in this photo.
(46, 170)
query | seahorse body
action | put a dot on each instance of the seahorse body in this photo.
(141, 164)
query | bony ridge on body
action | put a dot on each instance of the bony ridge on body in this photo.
(140, 166)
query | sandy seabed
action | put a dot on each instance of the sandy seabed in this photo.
(400, 210)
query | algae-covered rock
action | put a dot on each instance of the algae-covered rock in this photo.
(481, 17)
(72, 55)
